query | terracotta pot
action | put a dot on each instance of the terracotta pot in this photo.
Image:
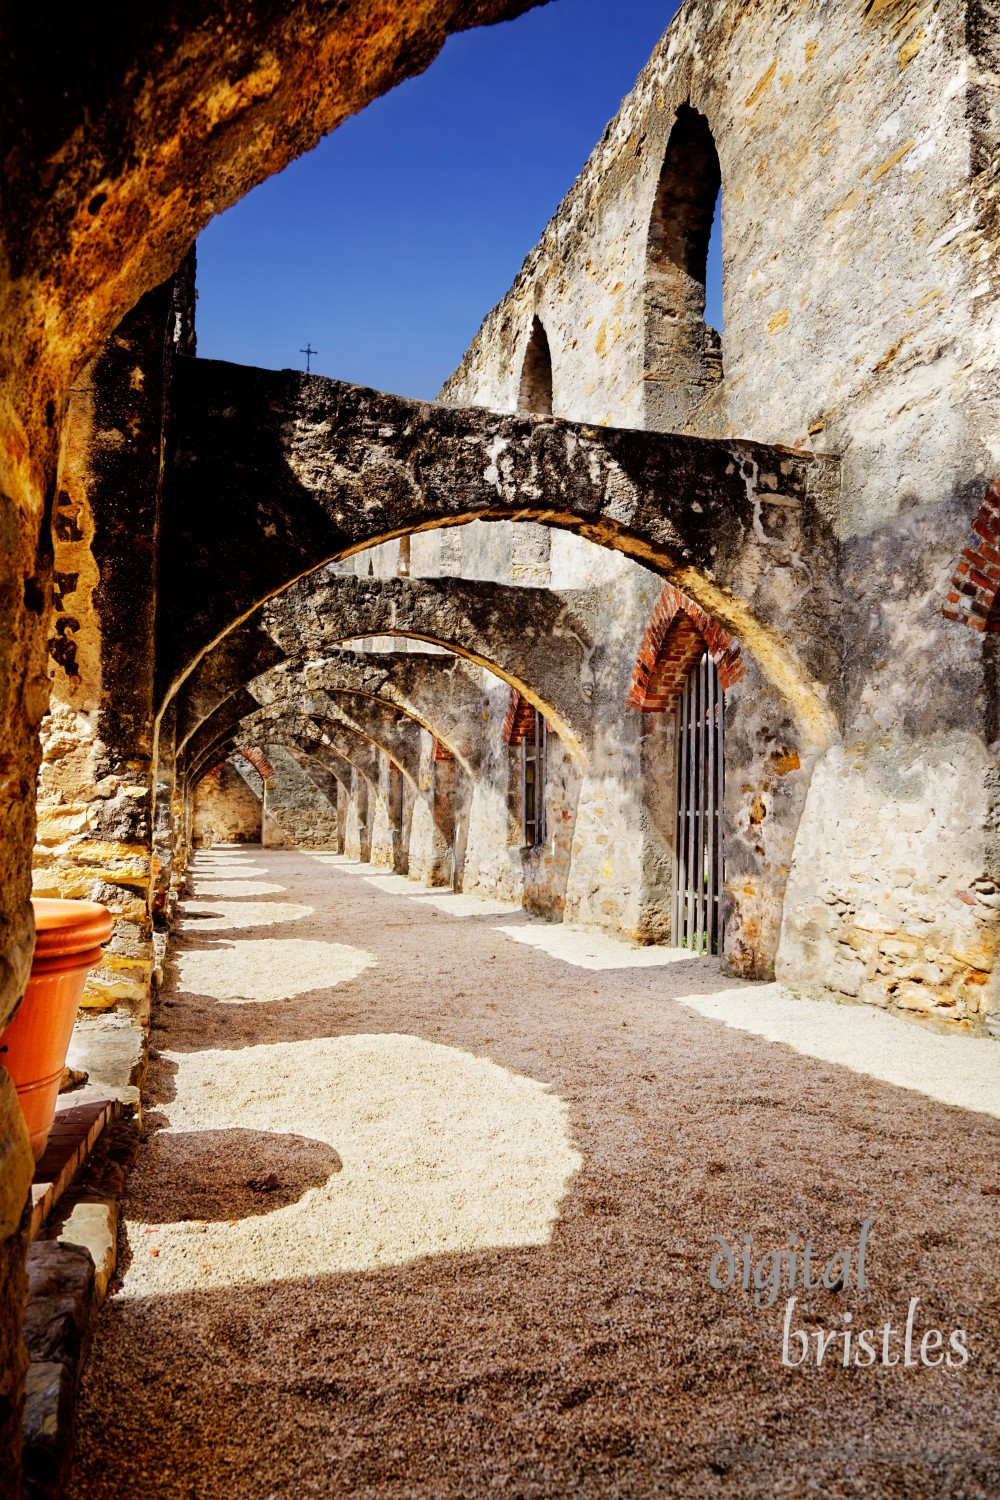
(33, 1047)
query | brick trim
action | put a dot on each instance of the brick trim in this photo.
(519, 721)
(678, 632)
(441, 752)
(974, 588)
(259, 761)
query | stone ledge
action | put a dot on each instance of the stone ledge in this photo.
(69, 1269)
(74, 1131)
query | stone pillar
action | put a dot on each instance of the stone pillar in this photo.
(357, 843)
(96, 791)
(432, 827)
(385, 819)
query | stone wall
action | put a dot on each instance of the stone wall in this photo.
(226, 809)
(296, 813)
(859, 232)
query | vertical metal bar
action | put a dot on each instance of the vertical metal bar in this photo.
(702, 794)
(542, 773)
(706, 801)
(720, 799)
(674, 922)
(699, 804)
(682, 794)
(709, 799)
(685, 696)
(691, 803)
(713, 707)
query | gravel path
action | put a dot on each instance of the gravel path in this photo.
(426, 1203)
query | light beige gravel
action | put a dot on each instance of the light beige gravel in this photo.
(440, 1225)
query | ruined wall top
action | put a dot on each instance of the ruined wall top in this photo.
(857, 142)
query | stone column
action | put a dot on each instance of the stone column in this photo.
(96, 791)
(432, 826)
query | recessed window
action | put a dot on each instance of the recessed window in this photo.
(683, 352)
(535, 393)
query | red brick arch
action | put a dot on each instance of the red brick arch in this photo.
(259, 761)
(976, 583)
(678, 632)
(519, 721)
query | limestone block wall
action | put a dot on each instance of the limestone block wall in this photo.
(226, 810)
(296, 814)
(99, 744)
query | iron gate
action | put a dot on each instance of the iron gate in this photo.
(700, 774)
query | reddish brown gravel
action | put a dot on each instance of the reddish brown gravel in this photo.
(443, 1228)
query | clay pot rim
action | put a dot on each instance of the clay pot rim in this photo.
(64, 929)
(51, 912)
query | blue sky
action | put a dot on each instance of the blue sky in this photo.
(388, 244)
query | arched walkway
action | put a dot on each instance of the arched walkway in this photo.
(431, 1202)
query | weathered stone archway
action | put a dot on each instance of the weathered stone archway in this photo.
(281, 473)
(538, 640)
(438, 693)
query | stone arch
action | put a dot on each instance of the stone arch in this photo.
(438, 693)
(347, 738)
(325, 756)
(535, 389)
(281, 473)
(256, 758)
(678, 633)
(682, 354)
(535, 640)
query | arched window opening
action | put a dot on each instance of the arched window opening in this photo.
(535, 393)
(682, 352)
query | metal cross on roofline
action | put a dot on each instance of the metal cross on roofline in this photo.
(308, 351)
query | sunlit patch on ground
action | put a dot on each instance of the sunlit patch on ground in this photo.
(441, 1151)
(212, 887)
(218, 916)
(252, 971)
(595, 950)
(952, 1069)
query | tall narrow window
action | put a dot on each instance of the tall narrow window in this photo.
(698, 869)
(682, 353)
(533, 782)
(535, 393)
